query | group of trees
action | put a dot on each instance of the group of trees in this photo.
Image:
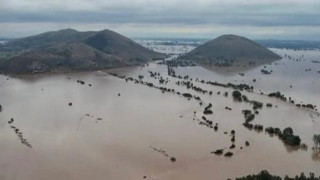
(265, 175)
(289, 138)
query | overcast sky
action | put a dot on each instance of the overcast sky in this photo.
(256, 19)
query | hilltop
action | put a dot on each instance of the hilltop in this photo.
(71, 50)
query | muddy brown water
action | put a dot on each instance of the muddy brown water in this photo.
(71, 142)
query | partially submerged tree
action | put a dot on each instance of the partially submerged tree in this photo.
(316, 140)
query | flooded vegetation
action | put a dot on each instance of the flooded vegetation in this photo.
(164, 121)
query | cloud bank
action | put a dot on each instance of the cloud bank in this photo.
(262, 19)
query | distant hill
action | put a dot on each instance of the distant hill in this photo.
(230, 49)
(71, 50)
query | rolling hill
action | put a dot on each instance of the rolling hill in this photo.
(71, 50)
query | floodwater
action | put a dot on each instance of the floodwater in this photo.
(113, 127)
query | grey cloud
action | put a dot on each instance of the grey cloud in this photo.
(253, 19)
(177, 14)
(235, 12)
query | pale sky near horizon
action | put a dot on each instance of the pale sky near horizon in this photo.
(256, 19)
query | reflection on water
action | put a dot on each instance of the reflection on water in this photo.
(108, 130)
(316, 155)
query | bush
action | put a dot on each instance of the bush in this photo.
(228, 154)
(246, 112)
(257, 105)
(218, 152)
(187, 95)
(250, 118)
(207, 111)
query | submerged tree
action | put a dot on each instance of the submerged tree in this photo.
(237, 95)
(316, 140)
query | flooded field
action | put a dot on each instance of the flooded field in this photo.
(93, 125)
(173, 46)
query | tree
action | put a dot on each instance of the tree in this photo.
(237, 95)
(316, 140)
